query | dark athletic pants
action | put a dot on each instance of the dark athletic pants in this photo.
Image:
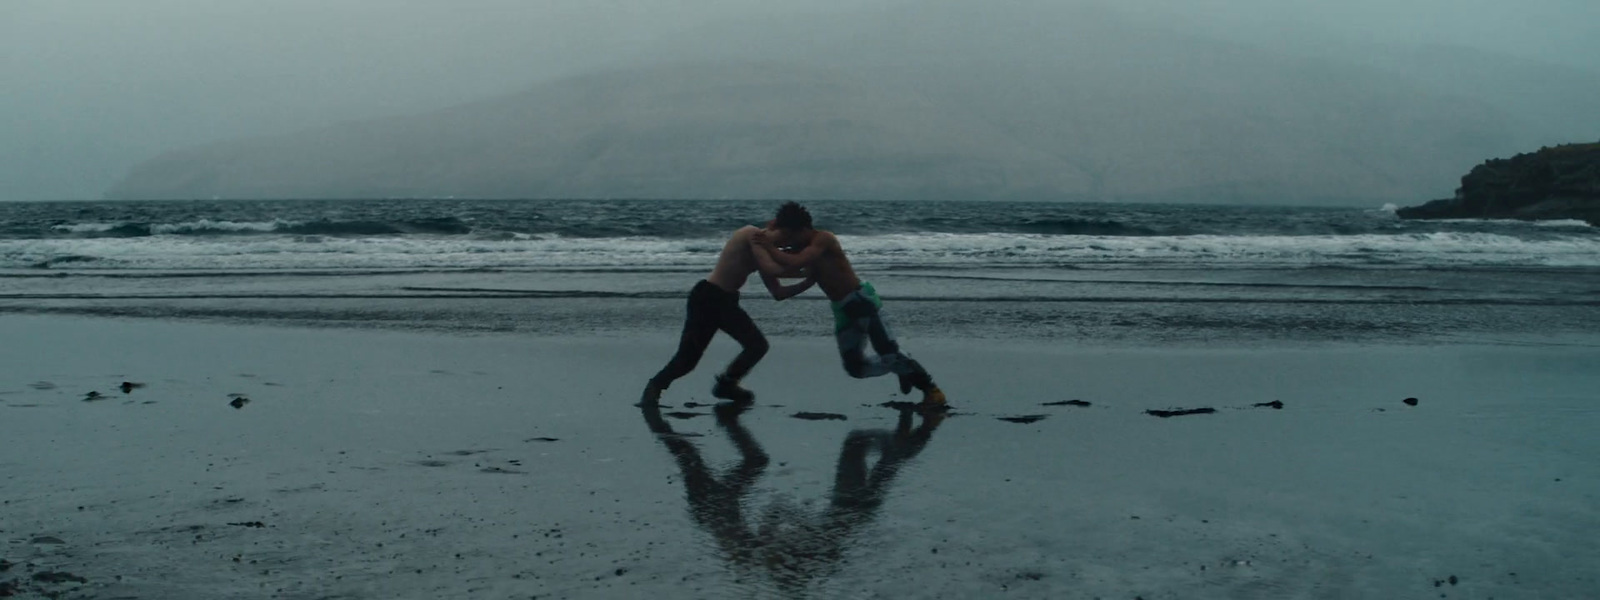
(712, 308)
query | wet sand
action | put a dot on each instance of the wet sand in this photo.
(403, 465)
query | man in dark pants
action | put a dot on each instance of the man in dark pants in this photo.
(714, 305)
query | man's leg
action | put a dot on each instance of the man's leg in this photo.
(698, 327)
(741, 328)
(738, 325)
(910, 371)
(866, 326)
(853, 351)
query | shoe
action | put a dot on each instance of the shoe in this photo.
(728, 389)
(932, 398)
(652, 395)
(917, 379)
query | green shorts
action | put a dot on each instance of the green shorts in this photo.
(866, 291)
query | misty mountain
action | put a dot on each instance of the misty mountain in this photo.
(1011, 100)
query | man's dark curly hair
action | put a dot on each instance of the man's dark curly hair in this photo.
(792, 217)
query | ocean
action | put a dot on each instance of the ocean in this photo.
(1139, 273)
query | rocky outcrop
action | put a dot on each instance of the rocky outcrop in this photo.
(1562, 182)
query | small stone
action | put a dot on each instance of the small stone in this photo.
(819, 416)
(1180, 412)
(1410, 401)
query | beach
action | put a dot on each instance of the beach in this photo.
(415, 464)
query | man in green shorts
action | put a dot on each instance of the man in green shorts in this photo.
(857, 311)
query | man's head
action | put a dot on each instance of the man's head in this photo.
(793, 225)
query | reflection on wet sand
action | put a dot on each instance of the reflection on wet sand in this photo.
(792, 545)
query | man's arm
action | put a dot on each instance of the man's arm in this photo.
(764, 261)
(819, 245)
(781, 292)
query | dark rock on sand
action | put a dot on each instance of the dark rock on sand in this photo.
(1275, 405)
(684, 415)
(47, 539)
(1067, 403)
(1180, 412)
(239, 400)
(501, 471)
(542, 439)
(253, 524)
(93, 397)
(57, 577)
(1410, 401)
(818, 416)
(128, 386)
(1023, 419)
(1562, 182)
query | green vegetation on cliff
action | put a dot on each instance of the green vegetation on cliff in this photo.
(1562, 182)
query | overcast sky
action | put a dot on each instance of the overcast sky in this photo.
(90, 87)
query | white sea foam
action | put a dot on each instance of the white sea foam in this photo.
(204, 225)
(1563, 223)
(269, 252)
(1558, 223)
(186, 227)
(86, 227)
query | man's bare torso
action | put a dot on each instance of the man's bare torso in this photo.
(832, 269)
(736, 263)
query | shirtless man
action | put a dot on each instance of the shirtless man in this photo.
(857, 311)
(714, 304)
